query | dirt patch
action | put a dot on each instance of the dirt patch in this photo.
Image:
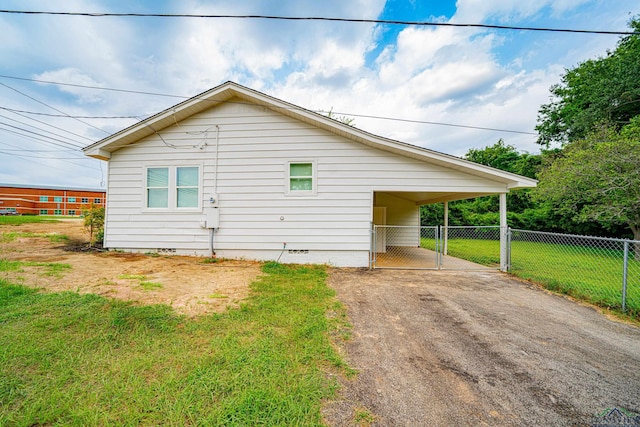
(445, 348)
(188, 284)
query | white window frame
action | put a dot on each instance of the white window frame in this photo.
(172, 205)
(314, 178)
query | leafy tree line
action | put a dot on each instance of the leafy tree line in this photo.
(526, 208)
(590, 183)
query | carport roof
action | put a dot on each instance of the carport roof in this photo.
(102, 149)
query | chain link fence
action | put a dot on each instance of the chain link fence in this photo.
(480, 246)
(405, 247)
(600, 270)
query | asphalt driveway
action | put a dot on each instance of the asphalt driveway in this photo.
(442, 348)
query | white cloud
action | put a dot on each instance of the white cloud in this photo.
(77, 77)
(449, 75)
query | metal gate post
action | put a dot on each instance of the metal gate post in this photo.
(625, 270)
(439, 246)
(374, 240)
(508, 248)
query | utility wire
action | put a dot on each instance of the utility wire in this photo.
(62, 160)
(318, 18)
(49, 166)
(44, 130)
(233, 102)
(94, 87)
(35, 138)
(22, 114)
(49, 106)
(73, 116)
(432, 123)
(61, 141)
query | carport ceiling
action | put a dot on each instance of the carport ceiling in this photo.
(427, 197)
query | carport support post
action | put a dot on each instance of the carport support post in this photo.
(503, 232)
(445, 235)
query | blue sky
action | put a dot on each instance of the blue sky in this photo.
(460, 76)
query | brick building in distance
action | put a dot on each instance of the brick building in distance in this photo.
(39, 200)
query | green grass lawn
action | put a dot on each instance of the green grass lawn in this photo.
(83, 360)
(25, 219)
(591, 274)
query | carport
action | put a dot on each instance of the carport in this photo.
(399, 240)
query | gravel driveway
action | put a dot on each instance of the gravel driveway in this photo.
(478, 348)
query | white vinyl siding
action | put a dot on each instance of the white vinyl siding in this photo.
(255, 147)
(403, 213)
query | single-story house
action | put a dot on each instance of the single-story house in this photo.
(240, 174)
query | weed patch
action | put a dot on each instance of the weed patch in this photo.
(50, 268)
(53, 237)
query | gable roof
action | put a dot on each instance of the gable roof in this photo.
(102, 149)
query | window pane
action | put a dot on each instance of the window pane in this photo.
(187, 177)
(72, 199)
(57, 199)
(44, 198)
(301, 169)
(158, 177)
(301, 184)
(187, 197)
(158, 198)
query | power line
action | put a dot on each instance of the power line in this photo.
(73, 116)
(94, 87)
(21, 114)
(235, 102)
(49, 106)
(34, 138)
(61, 141)
(44, 130)
(435, 123)
(320, 18)
(22, 156)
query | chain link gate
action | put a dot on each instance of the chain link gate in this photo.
(411, 247)
(435, 248)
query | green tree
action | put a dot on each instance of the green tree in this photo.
(94, 224)
(602, 90)
(484, 210)
(598, 178)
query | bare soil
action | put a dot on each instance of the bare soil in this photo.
(454, 348)
(188, 284)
